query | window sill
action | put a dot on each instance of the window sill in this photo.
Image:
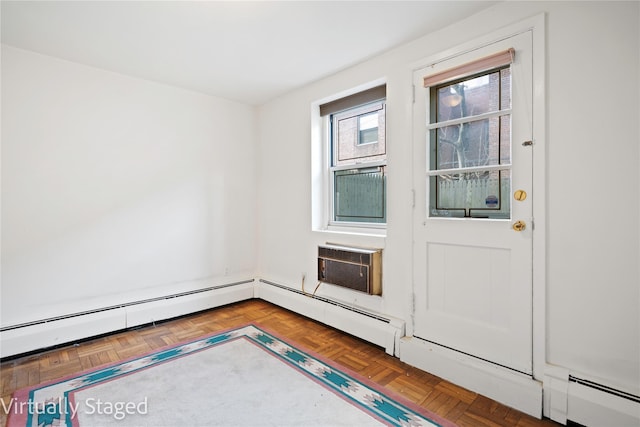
(355, 230)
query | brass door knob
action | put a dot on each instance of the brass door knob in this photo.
(519, 225)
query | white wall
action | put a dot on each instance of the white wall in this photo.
(591, 319)
(115, 188)
(593, 270)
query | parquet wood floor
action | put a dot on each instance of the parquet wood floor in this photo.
(448, 400)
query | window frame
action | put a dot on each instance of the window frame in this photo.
(357, 163)
(321, 180)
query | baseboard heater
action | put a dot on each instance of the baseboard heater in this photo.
(574, 398)
(605, 389)
(384, 331)
(359, 269)
(53, 331)
(589, 403)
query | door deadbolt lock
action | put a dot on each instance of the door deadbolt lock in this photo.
(519, 225)
(520, 195)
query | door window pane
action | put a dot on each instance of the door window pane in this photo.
(470, 145)
(480, 143)
(475, 194)
(482, 94)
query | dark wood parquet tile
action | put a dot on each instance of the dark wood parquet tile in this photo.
(454, 403)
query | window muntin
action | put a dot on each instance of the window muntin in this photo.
(470, 134)
(358, 165)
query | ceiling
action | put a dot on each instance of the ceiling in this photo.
(247, 51)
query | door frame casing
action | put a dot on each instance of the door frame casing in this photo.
(447, 362)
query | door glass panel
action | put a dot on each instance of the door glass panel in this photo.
(505, 88)
(483, 194)
(470, 145)
(482, 94)
(480, 143)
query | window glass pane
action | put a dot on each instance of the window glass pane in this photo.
(479, 194)
(472, 144)
(360, 195)
(505, 89)
(505, 140)
(346, 138)
(479, 143)
(470, 97)
(359, 135)
(359, 185)
(368, 128)
(368, 136)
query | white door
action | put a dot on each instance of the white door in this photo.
(473, 213)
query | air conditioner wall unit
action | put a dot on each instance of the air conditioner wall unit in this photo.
(359, 269)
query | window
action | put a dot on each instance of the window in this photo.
(368, 128)
(470, 132)
(357, 158)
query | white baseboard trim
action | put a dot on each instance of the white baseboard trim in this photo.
(503, 385)
(592, 407)
(569, 398)
(154, 311)
(50, 332)
(555, 392)
(375, 328)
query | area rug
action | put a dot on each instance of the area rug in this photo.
(241, 377)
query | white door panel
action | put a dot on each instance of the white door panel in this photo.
(473, 276)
